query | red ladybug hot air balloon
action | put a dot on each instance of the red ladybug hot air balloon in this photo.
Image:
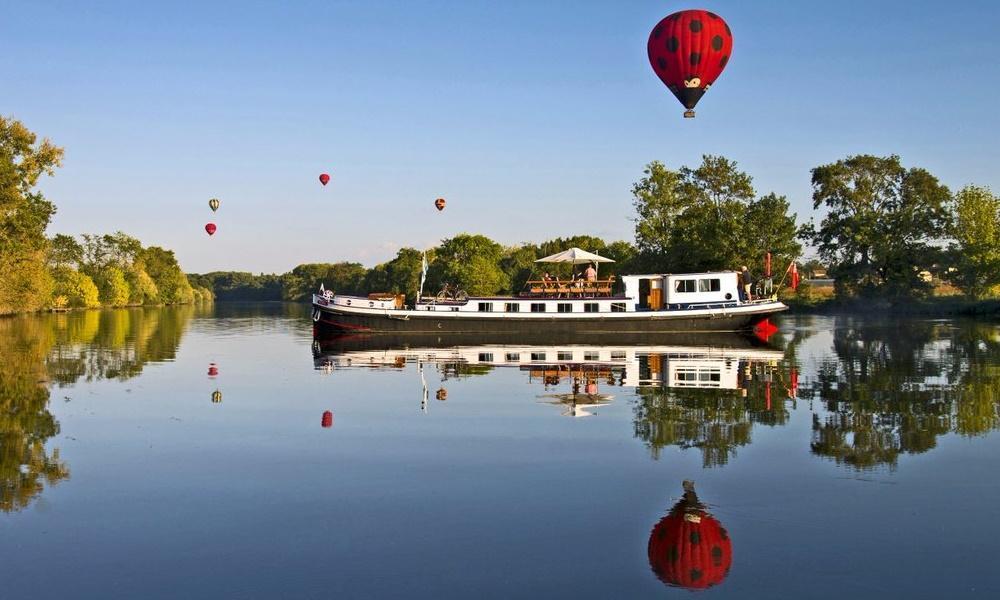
(440, 204)
(688, 51)
(689, 548)
(210, 228)
(324, 178)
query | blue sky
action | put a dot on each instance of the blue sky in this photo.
(532, 118)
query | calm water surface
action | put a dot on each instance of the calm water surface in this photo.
(843, 457)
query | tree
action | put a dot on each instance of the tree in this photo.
(400, 275)
(25, 283)
(977, 240)
(171, 284)
(472, 262)
(111, 285)
(78, 289)
(64, 250)
(707, 219)
(884, 224)
(304, 280)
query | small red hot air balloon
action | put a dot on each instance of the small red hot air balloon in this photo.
(210, 228)
(324, 178)
(440, 203)
(327, 421)
(688, 51)
(689, 548)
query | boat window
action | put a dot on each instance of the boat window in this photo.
(591, 307)
(617, 307)
(537, 356)
(709, 285)
(565, 307)
(512, 357)
(565, 356)
(617, 355)
(485, 307)
(537, 307)
(685, 285)
(591, 355)
(512, 307)
(485, 357)
(454, 309)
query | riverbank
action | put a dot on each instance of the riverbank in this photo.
(944, 306)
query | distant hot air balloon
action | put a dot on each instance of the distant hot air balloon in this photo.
(210, 228)
(688, 51)
(324, 178)
(214, 204)
(327, 420)
(689, 548)
(440, 203)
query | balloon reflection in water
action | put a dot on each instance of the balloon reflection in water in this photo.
(216, 397)
(689, 548)
(213, 370)
(327, 420)
(442, 394)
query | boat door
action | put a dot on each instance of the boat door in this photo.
(643, 294)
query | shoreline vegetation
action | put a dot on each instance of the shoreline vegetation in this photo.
(890, 238)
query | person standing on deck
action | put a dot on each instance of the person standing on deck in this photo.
(746, 282)
(590, 273)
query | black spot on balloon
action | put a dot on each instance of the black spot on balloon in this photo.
(724, 60)
(717, 43)
(672, 43)
(724, 533)
(695, 26)
(695, 58)
(695, 574)
(657, 31)
(662, 62)
(695, 537)
(716, 555)
(673, 554)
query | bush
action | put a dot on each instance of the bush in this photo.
(75, 288)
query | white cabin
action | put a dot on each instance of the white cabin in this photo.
(656, 292)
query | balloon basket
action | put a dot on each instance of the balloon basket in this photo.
(689, 114)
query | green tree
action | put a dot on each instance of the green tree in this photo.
(171, 284)
(25, 283)
(472, 262)
(977, 240)
(304, 280)
(78, 289)
(401, 275)
(884, 224)
(64, 250)
(707, 219)
(112, 287)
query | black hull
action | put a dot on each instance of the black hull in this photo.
(329, 323)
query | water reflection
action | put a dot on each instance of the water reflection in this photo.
(894, 389)
(688, 547)
(39, 351)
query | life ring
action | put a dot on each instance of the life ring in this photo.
(316, 315)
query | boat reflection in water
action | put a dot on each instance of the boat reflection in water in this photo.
(688, 547)
(683, 362)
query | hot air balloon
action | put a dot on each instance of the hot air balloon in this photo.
(214, 204)
(210, 228)
(688, 51)
(327, 420)
(324, 178)
(689, 547)
(440, 203)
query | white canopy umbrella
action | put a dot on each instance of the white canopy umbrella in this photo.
(575, 256)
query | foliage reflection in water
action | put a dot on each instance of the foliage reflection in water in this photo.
(39, 353)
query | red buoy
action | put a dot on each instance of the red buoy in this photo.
(327, 419)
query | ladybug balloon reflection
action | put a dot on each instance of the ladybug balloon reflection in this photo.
(689, 548)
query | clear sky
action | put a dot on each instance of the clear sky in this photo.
(532, 117)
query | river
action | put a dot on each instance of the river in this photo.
(217, 452)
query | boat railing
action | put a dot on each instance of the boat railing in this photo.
(574, 288)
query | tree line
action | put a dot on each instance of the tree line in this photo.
(38, 273)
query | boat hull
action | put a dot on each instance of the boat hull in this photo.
(332, 320)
